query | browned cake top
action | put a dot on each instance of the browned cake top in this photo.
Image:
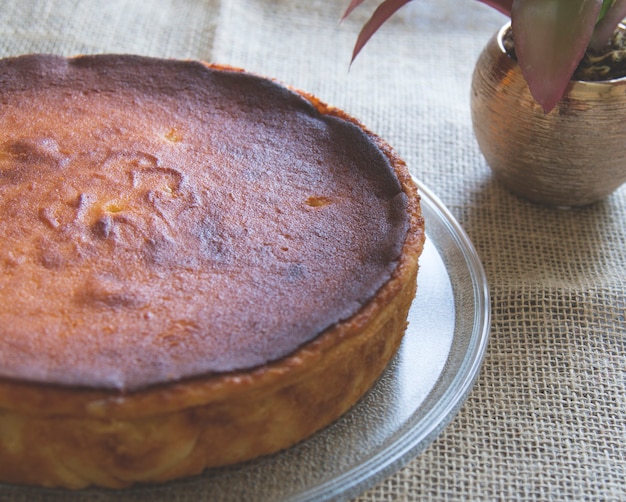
(163, 219)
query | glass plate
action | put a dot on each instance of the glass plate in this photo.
(417, 396)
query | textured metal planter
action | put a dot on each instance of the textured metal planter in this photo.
(573, 156)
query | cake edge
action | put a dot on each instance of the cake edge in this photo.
(75, 437)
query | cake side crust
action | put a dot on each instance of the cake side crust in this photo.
(53, 435)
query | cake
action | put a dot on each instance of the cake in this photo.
(200, 266)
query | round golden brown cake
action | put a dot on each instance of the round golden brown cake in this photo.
(199, 266)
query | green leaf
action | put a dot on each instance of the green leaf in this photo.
(550, 38)
(606, 6)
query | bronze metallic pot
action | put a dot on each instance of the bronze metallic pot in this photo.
(573, 156)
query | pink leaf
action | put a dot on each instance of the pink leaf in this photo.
(504, 6)
(384, 11)
(607, 25)
(353, 5)
(550, 38)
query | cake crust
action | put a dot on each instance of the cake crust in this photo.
(210, 219)
(119, 411)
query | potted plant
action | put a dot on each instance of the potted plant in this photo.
(548, 97)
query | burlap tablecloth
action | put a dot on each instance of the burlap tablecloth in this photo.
(546, 419)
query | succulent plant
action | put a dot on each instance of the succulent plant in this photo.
(550, 36)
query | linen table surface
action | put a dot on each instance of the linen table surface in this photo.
(546, 419)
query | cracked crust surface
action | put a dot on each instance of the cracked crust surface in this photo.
(211, 220)
(232, 264)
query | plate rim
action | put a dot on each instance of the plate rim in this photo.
(391, 458)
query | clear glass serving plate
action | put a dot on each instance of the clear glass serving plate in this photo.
(417, 396)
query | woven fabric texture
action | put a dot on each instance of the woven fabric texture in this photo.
(546, 419)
